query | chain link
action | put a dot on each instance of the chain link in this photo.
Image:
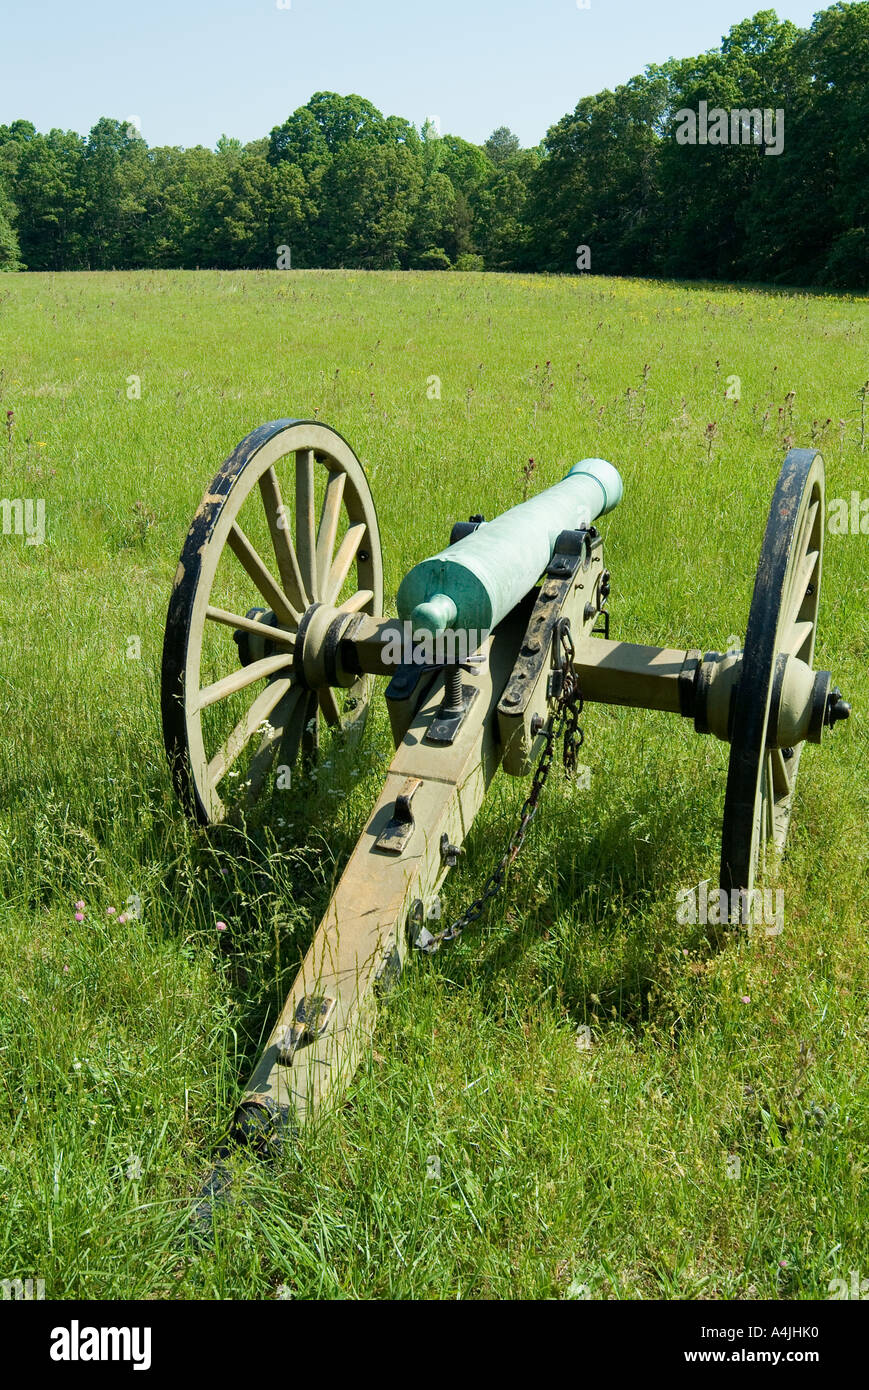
(563, 724)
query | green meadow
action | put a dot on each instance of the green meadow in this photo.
(617, 1110)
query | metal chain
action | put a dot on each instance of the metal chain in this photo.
(563, 723)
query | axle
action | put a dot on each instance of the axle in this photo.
(334, 647)
(702, 688)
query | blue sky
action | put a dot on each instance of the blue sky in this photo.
(194, 69)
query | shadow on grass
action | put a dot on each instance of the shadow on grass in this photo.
(593, 909)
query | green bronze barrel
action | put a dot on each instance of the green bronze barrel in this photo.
(476, 582)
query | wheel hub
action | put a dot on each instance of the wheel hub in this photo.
(317, 653)
(802, 703)
(251, 645)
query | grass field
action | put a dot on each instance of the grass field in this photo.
(602, 1172)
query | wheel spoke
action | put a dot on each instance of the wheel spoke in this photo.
(239, 680)
(279, 527)
(262, 578)
(235, 620)
(798, 636)
(329, 706)
(342, 562)
(763, 809)
(294, 728)
(796, 597)
(806, 528)
(356, 601)
(306, 545)
(264, 757)
(780, 776)
(259, 710)
(311, 729)
(743, 875)
(769, 800)
(328, 529)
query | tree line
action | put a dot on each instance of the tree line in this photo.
(616, 186)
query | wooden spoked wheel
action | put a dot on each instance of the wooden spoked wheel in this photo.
(782, 620)
(288, 523)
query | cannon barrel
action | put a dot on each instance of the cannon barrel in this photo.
(476, 582)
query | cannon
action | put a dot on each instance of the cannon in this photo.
(275, 630)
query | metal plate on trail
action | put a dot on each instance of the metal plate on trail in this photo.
(398, 830)
(310, 1021)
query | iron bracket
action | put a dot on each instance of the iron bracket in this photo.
(310, 1021)
(398, 830)
(572, 548)
(447, 722)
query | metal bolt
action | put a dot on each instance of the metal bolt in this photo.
(837, 708)
(453, 703)
(449, 853)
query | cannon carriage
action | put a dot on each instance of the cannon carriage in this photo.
(275, 631)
